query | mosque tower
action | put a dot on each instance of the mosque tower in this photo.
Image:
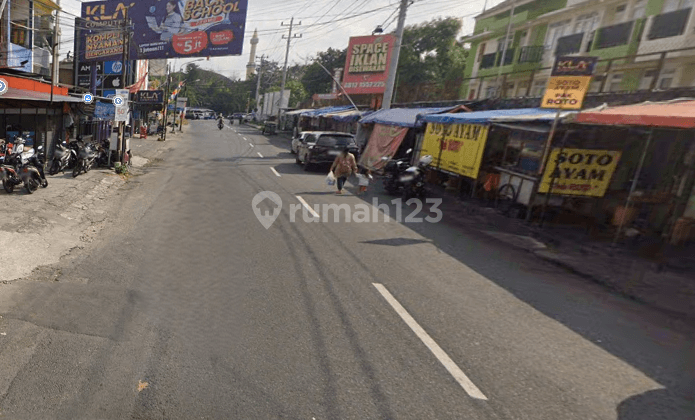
(251, 66)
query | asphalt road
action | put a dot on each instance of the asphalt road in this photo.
(190, 308)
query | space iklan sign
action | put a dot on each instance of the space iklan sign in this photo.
(367, 64)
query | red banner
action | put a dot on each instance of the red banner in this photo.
(384, 141)
(221, 38)
(367, 64)
(190, 43)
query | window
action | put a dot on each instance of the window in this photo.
(333, 141)
(586, 23)
(673, 5)
(619, 15)
(500, 43)
(556, 31)
(616, 81)
(666, 78)
(20, 26)
(538, 88)
(647, 79)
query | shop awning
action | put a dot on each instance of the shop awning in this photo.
(297, 111)
(348, 116)
(498, 115)
(326, 110)
(32, 95)
(402, 117)
(673, 114)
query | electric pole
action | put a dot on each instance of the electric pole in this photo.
(55, 67)
(124, 73)
(258, 83)
(284, 71)
(393, 65)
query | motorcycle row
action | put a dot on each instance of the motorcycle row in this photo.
(20, 164)
(402, 177)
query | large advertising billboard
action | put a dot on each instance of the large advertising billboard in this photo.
(164, 28)
(367, 64)
(460, 146)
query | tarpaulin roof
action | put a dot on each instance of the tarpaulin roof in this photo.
(402, 117)
(498, 115)
(351, 115)
(297, 111)
(675, 114)
(326, 110)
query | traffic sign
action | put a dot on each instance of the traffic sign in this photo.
(3, 86)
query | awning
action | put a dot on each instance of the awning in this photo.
(673, 114)
(45, 7)
(402, 117)
(297, 111)
(326, 110)
(348, 116)
(32, 95)
(498, 115)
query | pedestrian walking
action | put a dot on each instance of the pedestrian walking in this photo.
(343, 166)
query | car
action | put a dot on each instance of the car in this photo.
(297, 141)
(322, 147)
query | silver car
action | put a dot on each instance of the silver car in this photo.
(299, 140)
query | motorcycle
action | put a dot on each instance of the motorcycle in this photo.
(413, 179)
(85, 159)
(65, 156)
(220, 124)
(393, 171)
(102, 150)
(23, 166)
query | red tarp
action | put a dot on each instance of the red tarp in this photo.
(679, 114)
(384, 141)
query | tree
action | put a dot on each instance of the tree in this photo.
(431, 61)
(315, 79)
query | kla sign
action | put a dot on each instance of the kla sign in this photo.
(569, 82)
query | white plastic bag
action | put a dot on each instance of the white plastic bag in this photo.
(330, 178)
(363, 181)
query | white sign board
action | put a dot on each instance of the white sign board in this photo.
(122, 114)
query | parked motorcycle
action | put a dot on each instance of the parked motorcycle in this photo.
(102, 159)
(64, 157)
(393, 170)
(22, 166)
(413, 179)
(85, 159)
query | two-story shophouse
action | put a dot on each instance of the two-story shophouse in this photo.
(642, 45)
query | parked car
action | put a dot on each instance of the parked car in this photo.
(299, 140)
(322, 147)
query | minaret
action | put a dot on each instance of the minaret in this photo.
(251, 66)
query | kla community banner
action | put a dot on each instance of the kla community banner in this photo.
(384, 141)
(163, 28)
(461, 145)
(580, 171)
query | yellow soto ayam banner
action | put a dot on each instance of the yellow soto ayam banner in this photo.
(462, 147)
(580, 171)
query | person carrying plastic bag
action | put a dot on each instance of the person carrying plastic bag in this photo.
(343, 166)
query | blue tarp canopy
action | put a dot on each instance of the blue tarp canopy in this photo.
(402, 117)
(498, 115)
(349, 116)
(326, 110)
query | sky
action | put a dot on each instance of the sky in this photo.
(324, 24)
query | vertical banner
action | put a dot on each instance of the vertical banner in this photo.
(461, 147)
(569, 81)
(384, 141)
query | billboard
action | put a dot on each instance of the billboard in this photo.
(580, 172)
(150, 96)
(461, 147)
(367, 64)
(569, 82)
(164, 28)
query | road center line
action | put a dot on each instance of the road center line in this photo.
(259, 154)
(251, 144)
(274, 171)
(449, 364)
(308, 207)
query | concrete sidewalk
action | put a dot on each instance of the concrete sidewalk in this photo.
(669, 289)
(41, 228)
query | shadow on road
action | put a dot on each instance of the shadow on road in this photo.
(396, 242)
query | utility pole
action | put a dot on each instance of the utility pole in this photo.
(124, 73)
(393, 65)
(55, 66)
(166, 106)
(258, 83)
(284, 71)
(504, 50)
